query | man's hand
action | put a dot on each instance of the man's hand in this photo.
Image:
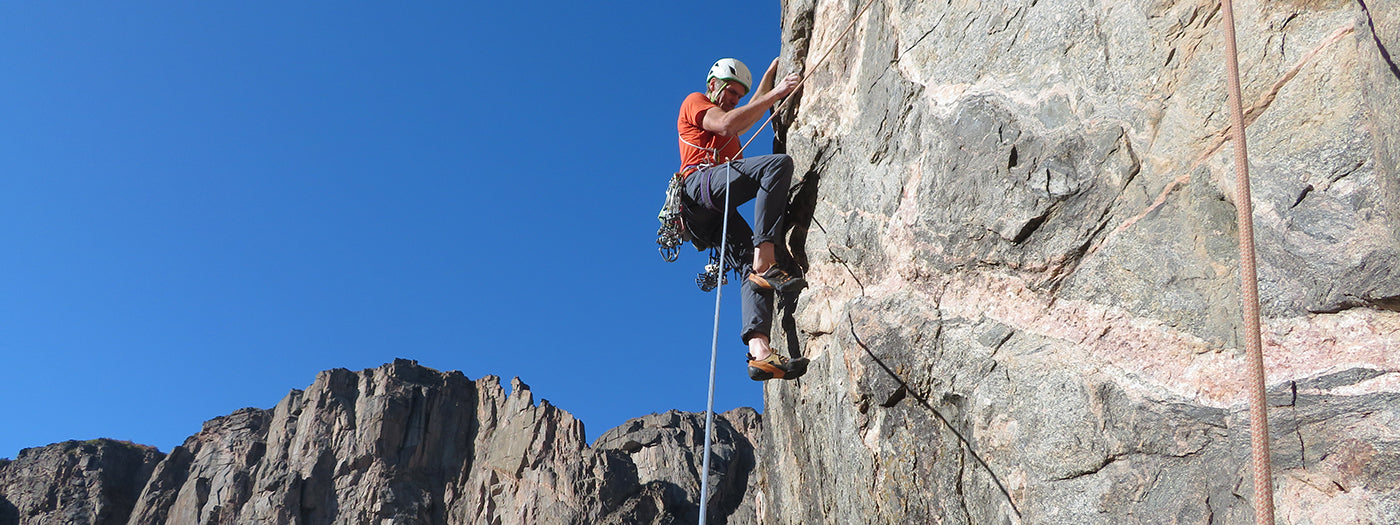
(788, 84)
(766, 84)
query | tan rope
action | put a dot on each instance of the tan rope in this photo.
(1249, 287)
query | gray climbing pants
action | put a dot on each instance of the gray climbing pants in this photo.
(765, 180)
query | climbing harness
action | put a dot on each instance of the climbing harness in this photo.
(673, 231)
(1249, 285)
(713, 155)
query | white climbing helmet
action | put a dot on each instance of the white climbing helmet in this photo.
(731, 70)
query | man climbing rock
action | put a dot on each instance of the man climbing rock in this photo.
(710, 125)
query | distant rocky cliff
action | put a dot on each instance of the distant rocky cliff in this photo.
(1018, 226)
(396, 444)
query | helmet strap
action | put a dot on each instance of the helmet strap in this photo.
(714, 94)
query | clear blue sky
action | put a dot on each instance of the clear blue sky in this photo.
(203, 204)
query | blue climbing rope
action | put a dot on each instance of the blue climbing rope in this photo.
(714, 353)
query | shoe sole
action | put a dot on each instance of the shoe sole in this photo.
(761, 371)
(791, 285)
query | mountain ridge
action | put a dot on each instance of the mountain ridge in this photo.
(398, 442)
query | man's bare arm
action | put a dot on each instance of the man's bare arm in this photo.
(769, 76)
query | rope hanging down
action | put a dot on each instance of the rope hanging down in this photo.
(723, 243)
(714, 355)
(1249, 286)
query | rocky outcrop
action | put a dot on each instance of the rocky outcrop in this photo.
(94, 482)
(1017, 221)
(396, 444)
(666, 451)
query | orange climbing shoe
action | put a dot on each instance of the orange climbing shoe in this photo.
(776, 367)
(776, 279)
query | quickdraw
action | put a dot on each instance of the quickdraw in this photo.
(713, 276)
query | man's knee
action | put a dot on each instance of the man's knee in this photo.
(783, 161)
(779, 166)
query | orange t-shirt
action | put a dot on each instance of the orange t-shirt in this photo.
(691, 129)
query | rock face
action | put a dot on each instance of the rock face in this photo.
(396, 444)
(93, 482)
(1018, 224)
(666, 451)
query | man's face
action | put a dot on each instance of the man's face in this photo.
(729, 97)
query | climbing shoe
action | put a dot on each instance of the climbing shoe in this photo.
(776, 279)
(776, 367)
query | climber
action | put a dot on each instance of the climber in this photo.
(710, 125)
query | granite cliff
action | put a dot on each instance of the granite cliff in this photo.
(1017, 221)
